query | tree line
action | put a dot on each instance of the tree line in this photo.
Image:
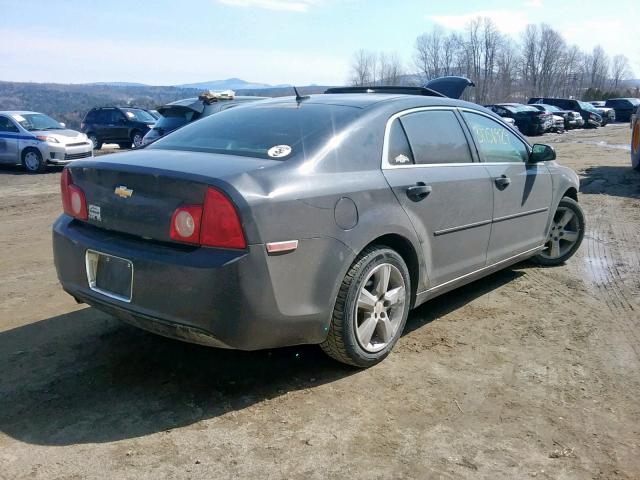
(539, 63)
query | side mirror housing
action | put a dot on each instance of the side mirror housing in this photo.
(542, 153)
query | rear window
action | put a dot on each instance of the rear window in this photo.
(173, 118)
(273, 131)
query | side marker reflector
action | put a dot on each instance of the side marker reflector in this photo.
(282, 247)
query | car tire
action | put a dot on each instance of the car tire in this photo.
(32, 161)
(369, 316)
(635, 146)
(136, 139)
(97, 145)
(565, 234)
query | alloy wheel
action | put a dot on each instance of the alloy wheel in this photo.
(31, 161)
(564, 233)
(380, 307)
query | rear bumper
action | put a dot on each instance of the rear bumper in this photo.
(237, 299)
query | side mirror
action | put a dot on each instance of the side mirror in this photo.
(542, 153)
(63, 125)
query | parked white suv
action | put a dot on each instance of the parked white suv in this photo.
(34, 140)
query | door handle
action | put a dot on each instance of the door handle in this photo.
(502, 181)
(418, 192)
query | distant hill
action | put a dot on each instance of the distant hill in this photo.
(69, 103)
(228, 84)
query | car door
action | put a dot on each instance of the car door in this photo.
(446, 194)
(9, 140)
(119, 126)
(522, 191)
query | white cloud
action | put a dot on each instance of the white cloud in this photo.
(507, 21)
(286, 5)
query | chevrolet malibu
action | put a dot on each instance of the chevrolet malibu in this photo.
(311, 220)
(34, 140)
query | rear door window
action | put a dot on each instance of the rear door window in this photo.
(399, 150)
(436, 136)
(495, 143)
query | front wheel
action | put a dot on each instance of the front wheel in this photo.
(33, 162)
(371, 308)
(565, 234)
(136, 139)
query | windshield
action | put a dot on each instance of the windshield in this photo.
(551, 108)
(272, 131)
(36, 121)
(138, 115)
(588, 107)
(634, 101)
(521, 108)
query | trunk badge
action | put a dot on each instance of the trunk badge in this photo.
(123, 192)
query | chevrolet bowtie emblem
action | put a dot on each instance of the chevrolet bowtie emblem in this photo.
(123, 191)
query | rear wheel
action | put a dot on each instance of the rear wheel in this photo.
(97, 145)
(32, 161)
(371, 309)
(565, 234)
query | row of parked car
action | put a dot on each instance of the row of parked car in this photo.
(544, 114)
(35, 140)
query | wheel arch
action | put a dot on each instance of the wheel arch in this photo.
(572, 193)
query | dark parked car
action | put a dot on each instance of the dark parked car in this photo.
(311, 220)
(624, 107)
(608, 114)
(125, 126)
(589, 113)
(177, 114)
(529, 120)
(570, 119)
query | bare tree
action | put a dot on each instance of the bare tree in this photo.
(390, 69)
(620, 70)
(362, 66)
(599, 68)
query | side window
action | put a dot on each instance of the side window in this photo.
(117, 117)
(7, 125)
(91, 117)
(436, 136)
(399, 149)
(103, 117)
(495, 142)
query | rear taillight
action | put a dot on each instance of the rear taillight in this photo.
(74, 202)
(214, 224)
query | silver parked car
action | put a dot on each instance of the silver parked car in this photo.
(320, 219)
(34, 140)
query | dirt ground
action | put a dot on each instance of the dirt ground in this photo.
(528, 373)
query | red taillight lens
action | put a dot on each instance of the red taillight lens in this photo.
(74, 202)
(221, 225)
(185, 224)
(214, 224)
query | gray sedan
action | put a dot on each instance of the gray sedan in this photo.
(319, 219)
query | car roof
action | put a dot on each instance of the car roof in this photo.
(185, 102)
(366, 100)
(17, 112)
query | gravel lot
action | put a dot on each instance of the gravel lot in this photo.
(528, 373)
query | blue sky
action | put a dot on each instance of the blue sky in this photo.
(272, 41)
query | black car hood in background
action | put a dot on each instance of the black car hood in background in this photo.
(452, 86)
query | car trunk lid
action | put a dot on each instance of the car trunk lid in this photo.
(137, 193)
